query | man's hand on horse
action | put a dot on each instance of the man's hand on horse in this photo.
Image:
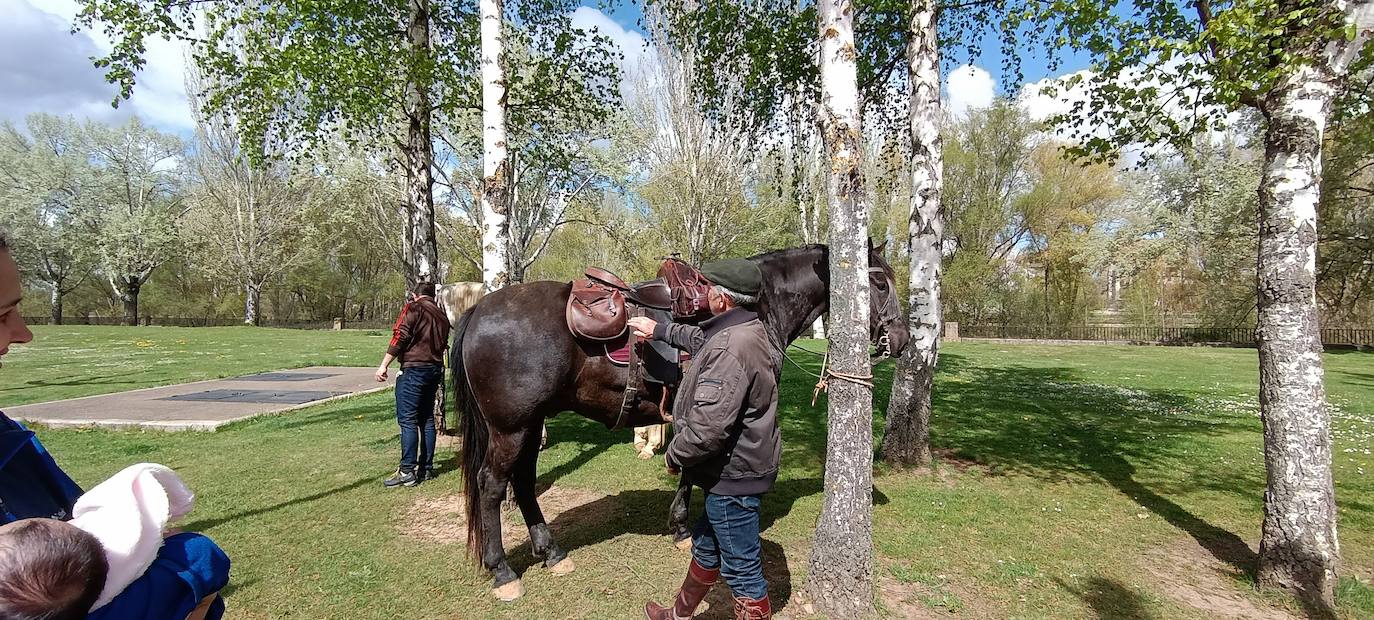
(643, 326)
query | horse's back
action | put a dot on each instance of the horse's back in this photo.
(517, 346)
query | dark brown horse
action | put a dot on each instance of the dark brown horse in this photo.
(515, 363)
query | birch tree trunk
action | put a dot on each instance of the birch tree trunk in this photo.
(251, 299)
(56, 305)
(1299, 549)
(840, 578)
(495, 164)
(421, 244)
(128, 288)
(906, 440)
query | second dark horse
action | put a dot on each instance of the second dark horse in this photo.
(515, 363)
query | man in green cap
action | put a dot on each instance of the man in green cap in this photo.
(726, 438)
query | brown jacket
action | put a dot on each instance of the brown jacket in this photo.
(420, 337)
(725, 418)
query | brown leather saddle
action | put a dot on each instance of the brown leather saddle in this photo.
(688, 289)
(596, 308)
(601, 303)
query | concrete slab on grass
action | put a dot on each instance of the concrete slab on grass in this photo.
(206, 405)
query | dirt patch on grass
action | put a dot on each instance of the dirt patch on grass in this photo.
(950, 458)
(909, 600)
(1191, 576)
(443, 519)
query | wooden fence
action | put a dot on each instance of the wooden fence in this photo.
(1237, 336)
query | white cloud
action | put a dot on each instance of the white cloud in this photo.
(968, 87)
(46, 68)
(632, 45)
(1041, 104)
(1050, 97)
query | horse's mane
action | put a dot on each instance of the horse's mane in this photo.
(772, 256)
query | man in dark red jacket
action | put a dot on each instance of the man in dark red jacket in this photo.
(419, 340)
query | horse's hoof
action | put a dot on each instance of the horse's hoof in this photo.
(645, 455)
(684, 544)
(509, 592)
(563, 567)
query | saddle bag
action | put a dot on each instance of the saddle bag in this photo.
(689, 289)
(595, 311)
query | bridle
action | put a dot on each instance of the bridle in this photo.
(888, 313)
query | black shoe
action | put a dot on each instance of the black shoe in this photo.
(427, 473)
(402, 478)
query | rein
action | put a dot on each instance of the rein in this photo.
(827, 373)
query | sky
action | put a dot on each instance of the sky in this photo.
(44, 67)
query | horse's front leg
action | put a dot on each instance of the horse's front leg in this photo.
(677, 515)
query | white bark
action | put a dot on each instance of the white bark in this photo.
(907, 437)
(496, 264)
(421, 243)
(1298, 545)
(818, 328)
(841, 566)
(1299, 549)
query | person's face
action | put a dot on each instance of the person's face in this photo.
(717, 302)
(12, 327)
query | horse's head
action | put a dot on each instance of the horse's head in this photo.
(886, 326)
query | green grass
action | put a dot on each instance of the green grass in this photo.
(73, 361)
(1074, 481)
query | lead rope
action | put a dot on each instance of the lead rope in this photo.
(823, 378)
(823, 385)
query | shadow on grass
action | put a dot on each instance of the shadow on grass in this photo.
(1047, 423)
(644, 512)
(79, 381)
(205, 524)
(591, 438)
(1110, 598)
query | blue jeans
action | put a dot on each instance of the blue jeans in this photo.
(727, 537)
(415, 390)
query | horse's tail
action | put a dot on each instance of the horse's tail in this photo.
(474, 430)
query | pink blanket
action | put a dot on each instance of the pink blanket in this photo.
(128, 514)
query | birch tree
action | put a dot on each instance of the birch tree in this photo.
(47, 184)
(1289, 60)
(377, 75)
(496, 266)
(840, 575)
(697, 164)
(906, 440)
(140, 206)
(252, 223)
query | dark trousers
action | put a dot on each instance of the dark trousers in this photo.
(415, 390)
(727, 537)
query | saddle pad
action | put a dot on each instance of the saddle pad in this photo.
(619, 355)
(660, 358)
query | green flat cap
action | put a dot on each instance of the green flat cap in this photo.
(736, 274)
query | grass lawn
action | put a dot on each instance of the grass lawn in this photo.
(68, 361)
(1074, 481)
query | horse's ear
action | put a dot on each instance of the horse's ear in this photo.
(878, 248)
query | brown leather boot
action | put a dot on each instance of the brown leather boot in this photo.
(750, 609)
(694, 588)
